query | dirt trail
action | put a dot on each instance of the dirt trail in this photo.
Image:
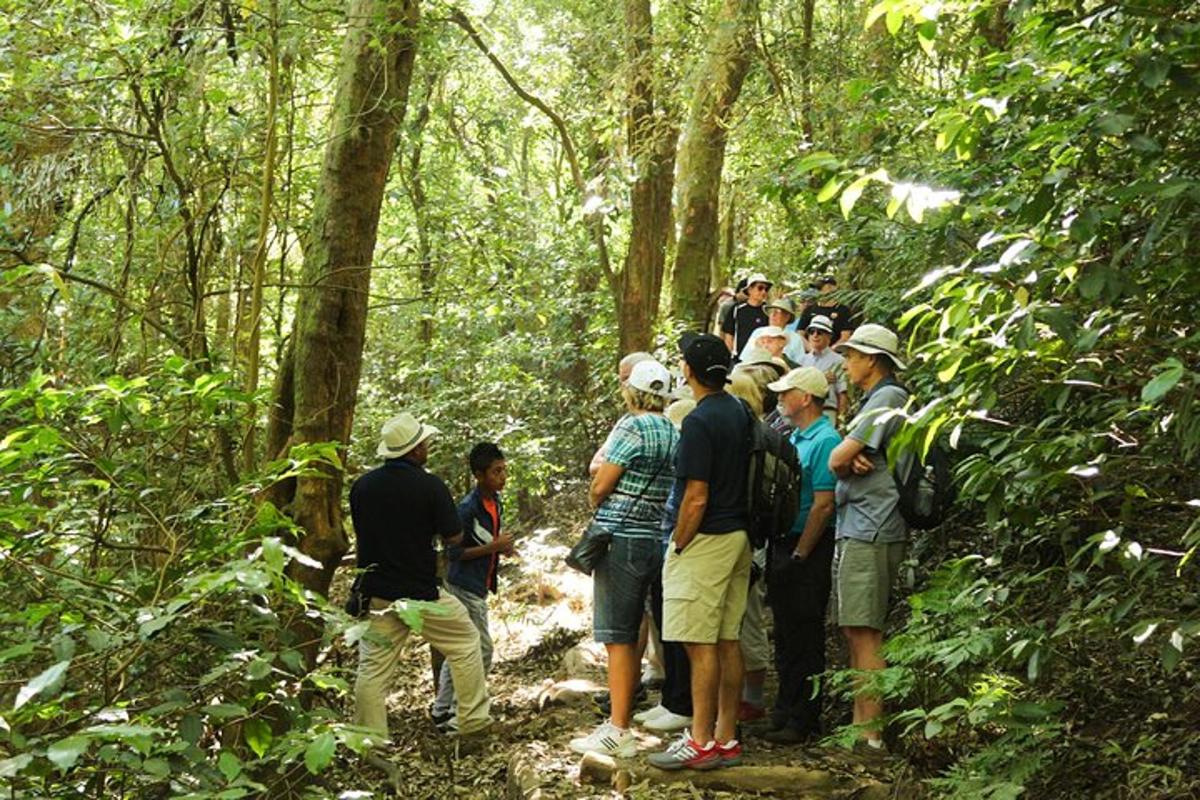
(545, 672)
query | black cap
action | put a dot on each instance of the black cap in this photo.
(707, 356)
(824, 280)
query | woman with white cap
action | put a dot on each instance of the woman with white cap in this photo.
(871, 531)
(629, 492)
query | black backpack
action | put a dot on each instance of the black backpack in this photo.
(772, 482)
(926, 488)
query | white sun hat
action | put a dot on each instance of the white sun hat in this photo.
(400, 434)
(873, 339)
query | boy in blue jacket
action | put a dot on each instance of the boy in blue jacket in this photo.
(474, 560)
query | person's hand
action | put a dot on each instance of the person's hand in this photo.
(861, 465)
(801, 552)
(503, 543)
(831, 377)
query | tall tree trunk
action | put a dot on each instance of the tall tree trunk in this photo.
(651, 142)
(702, 155)
(375, 70)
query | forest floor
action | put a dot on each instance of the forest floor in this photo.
(543, 681)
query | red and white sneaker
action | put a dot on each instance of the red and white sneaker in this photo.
(730, 752)
(686, 753)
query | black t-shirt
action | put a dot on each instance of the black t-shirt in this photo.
(744, 320)
(399, 510)
(840, 315)
(714, 446)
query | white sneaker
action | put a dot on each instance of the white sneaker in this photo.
(667, 722)
(607, 740)
(643, 717)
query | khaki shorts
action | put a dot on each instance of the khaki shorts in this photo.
(704, 590)
(863, 576)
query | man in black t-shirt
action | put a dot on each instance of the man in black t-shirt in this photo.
(399, 511)
(827, 306)
(706, 575)
(749, 316)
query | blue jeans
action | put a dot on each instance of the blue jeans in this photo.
(621, 584)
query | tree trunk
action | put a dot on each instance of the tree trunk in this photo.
(651, 143)
(375, 70)
(702, 156)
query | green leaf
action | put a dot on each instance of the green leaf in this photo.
(830, 188)
(1155, 72)
(851, 194)
(65, 752)
(11, 766)
(895, 19)
(191, 728)
(877, 11)
(49, 677)
(229, 765)
(258, 736)
(1114, 124)
(947, 373)
(932, 728)
(816, 161)
(319, 752)
(1164, 382)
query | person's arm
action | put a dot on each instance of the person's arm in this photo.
(597, 459)
(501, 544)
(728, 328)
(815, 525)
(691, 513)
(604, 481)
(849, 459)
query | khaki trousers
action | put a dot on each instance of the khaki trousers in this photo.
(452, 633)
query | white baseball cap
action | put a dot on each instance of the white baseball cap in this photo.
(770, 330)
(873, 339)
(758, 277)
(400, 434)
(650, 376)
(809, 380)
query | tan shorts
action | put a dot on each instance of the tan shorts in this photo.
(864, 574)
(704, 590)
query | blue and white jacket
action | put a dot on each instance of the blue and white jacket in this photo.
(476, 575)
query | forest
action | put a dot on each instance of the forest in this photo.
(236, 236)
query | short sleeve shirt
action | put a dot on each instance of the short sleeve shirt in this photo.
(399, 511)
(744, 320)
(813, 446)
(829, 361)
(868, 505)
(644, 446)
(840, 315)
(714, 447)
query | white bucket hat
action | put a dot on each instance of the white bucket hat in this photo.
(821, 323)
(650, 376)
(400, 434)
(758, 277)
(809, 380)
(873, 339)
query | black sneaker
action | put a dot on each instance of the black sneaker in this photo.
(605, 702)
(788, 735)
(440, 718)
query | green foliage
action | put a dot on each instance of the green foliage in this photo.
(1051, 325)
(150, 638)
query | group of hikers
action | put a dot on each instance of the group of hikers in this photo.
(681, 577)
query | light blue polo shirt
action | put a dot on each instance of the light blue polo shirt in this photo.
(868, 506)
(813, 446)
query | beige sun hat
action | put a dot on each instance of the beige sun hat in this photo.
(783, 304)
(400, 434)
(873, 339)
(809, 380)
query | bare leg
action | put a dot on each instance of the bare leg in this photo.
(705, 677)
(866, 646)
(729, 654)
(622, 676)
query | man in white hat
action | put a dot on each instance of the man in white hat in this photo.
(399, 511)
(820, 355)
(871, 531)
(749, 316)
(798, 579)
